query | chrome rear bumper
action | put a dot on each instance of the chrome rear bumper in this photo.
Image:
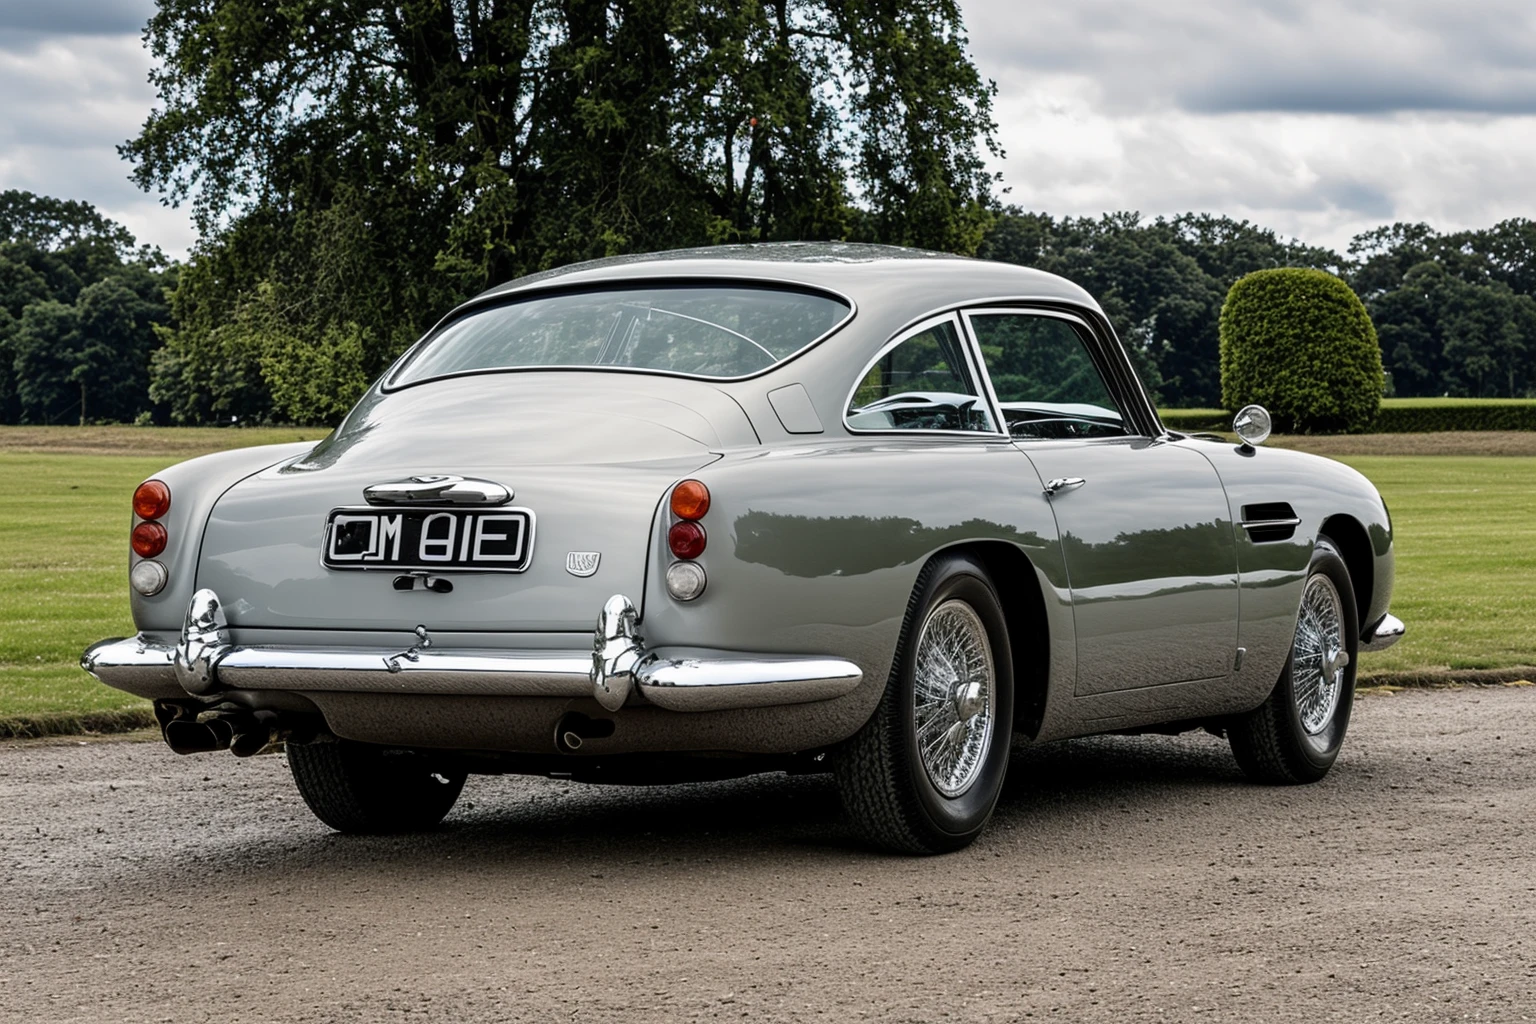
(619, 667)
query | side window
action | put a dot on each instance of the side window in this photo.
(1046, 383)
(922, 383)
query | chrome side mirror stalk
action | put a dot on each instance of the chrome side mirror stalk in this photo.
(1252, 425)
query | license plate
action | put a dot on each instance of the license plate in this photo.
(433, 539)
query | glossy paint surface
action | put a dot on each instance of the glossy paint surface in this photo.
(1146, 583)
(1153, 569)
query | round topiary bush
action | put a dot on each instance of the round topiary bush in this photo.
(1300, 343)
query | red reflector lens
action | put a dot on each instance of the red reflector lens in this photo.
(686, 540)
(148, 539)
(152, 500)
(690, 500)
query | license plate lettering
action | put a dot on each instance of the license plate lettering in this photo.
(482, 540)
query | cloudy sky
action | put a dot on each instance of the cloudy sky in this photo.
(1318, 118)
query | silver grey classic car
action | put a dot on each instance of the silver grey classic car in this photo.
(831, 507)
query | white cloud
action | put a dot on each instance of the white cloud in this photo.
(75, 17)
(1336, 56)
(72, 99)
(1317, 120)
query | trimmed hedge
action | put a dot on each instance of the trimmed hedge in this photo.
(1489, 415)
(1300, 343)
(1194, 421)
(1394, 417)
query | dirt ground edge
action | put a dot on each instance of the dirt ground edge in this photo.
(125, 720)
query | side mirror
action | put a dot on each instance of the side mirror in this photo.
(1252, 425)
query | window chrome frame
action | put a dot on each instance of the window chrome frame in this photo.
(1101, 347)
(388, 383)
(973, 364)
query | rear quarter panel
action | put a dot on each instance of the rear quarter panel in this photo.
(196, 485)
(816, 548)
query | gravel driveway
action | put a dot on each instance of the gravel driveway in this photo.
(1123, 879)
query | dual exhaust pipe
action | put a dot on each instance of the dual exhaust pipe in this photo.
(194, 729)
(237, 730)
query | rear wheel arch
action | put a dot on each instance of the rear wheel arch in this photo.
(1354, 546)
(1017, 584)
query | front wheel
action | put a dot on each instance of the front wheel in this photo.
(924, 773)
(360, 788)
(1296, 734)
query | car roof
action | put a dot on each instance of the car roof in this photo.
(873, 276)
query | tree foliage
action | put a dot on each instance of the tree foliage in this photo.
(1160, 282)
(79, 306)
(360, 166)
(1300, 343)
(1456, 312)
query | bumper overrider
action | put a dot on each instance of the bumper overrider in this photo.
(619, 668)
(1382, 633)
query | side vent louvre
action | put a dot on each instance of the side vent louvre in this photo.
(1274, 520)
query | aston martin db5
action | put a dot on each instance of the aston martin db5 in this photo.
(797, 507)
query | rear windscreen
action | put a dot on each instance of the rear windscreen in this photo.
(714, 331)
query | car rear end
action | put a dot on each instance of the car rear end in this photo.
(463, 563)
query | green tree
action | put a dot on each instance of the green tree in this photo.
(1160, 282)
(46, 347)
(1444, 335)
(10, 404)
(86, 361)
(78, 310)
(357, 168)
(1300, 343)
(80, 238)
(1456, 312)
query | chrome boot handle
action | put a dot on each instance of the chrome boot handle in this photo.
(1064, 483)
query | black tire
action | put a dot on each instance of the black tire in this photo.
(886, 789)
(367, 790)
(1271, 742)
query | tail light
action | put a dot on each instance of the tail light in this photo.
(148, 539)
(685, 580)
(690, 500)
(152, 500)
(148, 577)
(687, 540)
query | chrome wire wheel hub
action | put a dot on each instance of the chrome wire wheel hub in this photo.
(954, 695)
(1319, 656)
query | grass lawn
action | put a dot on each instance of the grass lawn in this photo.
(1464, 559)
(1462, 573)
(1386, 403)
(64, 528)
(64, 521)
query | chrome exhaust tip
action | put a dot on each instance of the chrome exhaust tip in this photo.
(575, 728)
(189, 736)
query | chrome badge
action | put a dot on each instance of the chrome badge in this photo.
(582, 563)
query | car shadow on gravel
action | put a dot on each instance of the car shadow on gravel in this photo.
(513, 826)
(1108, 766)
(804, 811)
(519, 819)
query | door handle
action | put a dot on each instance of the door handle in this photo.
(1063, 483)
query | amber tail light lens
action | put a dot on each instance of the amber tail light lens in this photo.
(686, 540)
(152, 500)
(690, 500)
(148, 539)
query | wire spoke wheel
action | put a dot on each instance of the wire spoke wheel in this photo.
(925, 772)
(1296, 734)
(954, 693)
(1318, 653)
